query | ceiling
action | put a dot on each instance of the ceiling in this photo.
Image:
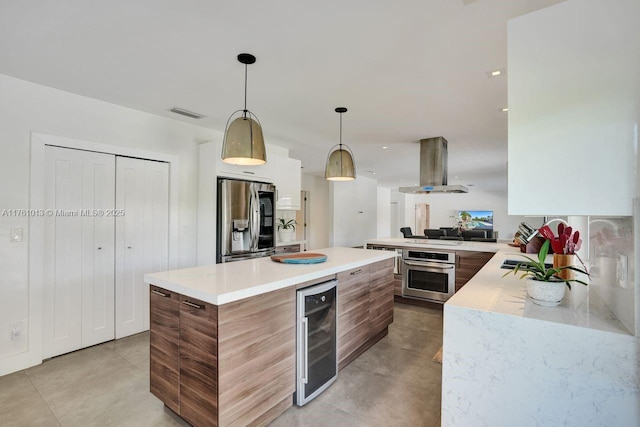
(406, 70)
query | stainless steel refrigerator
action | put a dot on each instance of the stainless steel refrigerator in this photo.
(246, 220)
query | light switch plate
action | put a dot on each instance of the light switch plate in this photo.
(15, 235)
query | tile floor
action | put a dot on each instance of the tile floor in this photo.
(394, 383)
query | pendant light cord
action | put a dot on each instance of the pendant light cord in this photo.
(341, 131)
(245, 90)
(341, 168)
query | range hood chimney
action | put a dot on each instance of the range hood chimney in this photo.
(433, 169)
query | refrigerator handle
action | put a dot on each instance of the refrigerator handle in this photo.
(305, 349)
(250, 217)
(254, 218)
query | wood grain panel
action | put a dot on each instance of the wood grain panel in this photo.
(397, 285)
(164, 351)
(380, 296)
(198, 363)
(257, 358)
(468, 264)
(353, 311)
(352, 285)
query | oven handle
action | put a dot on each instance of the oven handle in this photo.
(430, 265)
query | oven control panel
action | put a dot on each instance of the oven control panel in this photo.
(446, 257)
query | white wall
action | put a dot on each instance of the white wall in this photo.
(384, 212)
(443, 206)
(406, 211)
(354, 210)
(26, 107)
(574, 105)
(319, 211)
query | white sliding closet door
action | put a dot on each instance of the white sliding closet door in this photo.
(142, 237)
(79, 250)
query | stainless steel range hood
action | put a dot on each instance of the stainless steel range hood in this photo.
(433, 169)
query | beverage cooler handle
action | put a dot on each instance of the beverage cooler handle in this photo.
(305, 349)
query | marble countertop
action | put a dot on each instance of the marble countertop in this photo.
(489, 291)
(452, 245)
(224, 283)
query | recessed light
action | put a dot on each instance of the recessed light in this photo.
(402, 180)
(373, 173)
(496, 73)
(384, 147)
(504, 110)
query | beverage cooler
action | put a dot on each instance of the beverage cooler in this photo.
(317, 356)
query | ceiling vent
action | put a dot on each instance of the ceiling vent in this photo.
(187, 113)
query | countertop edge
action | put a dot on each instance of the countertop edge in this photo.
(229, 297)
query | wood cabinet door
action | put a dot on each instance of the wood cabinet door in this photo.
(397, 285)
(198, 362)
(353, 311)
(468, 263)
(381, 288)
(164, 351)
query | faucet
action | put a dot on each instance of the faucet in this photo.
(552, 220)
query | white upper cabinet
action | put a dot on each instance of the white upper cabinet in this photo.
(574, 104)
(287, 176)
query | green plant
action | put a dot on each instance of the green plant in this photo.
(284, 224)
(537, 270)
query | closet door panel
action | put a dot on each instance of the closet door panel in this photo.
(129, 251)
(156, 222)
(98, 248)
(142, 193)
(63, 252)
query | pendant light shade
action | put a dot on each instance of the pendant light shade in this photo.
(243, 140)
(340, 164)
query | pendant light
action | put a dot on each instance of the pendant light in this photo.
(340, 165)
(243, 141)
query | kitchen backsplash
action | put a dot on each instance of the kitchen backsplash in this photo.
(611, 245)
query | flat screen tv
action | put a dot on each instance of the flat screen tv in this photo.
(476, 220)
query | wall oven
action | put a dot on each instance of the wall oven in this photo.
(428, 274)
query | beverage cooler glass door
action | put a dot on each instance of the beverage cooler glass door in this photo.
(317, 358)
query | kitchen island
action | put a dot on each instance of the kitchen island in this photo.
(223, 337)
(508, 361)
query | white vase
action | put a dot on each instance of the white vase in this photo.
(285, 235)
(548, 294)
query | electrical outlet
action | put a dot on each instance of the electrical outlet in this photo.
(15, 330)
(621, 271)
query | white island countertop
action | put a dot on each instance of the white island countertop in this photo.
(224, 283)
(449, 245)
